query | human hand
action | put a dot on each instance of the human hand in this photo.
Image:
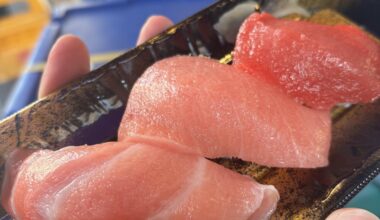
(69, 60)
(351, 214)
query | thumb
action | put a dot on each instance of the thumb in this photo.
(351, 214)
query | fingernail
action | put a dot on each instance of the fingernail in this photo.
(352, 214)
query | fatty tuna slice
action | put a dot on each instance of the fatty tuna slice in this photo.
(318, 65)
(220, 111)
(134, 179)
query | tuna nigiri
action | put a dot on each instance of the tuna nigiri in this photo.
(134, 179)
(220, 111)
(318, 65)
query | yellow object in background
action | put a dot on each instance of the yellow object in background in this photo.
(21, 22)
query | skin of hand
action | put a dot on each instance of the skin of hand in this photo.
(71, 50)
(69, 58)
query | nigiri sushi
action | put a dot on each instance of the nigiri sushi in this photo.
(134, 179)
(220, 111)
(318, 65)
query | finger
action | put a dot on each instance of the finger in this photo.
(57, 73)
(352, 214)
(68, 60)
(153, 26)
